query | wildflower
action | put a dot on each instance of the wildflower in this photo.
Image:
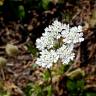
(58, 34)
(73, 35)
(47, 58)
(51, 36)
(66, 53)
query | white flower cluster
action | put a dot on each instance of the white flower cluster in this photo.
(47, 58)
(65, 53)
(51, 35)
(58, 34)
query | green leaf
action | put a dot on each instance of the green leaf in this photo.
(21, 12)
(34, 66)
(32, 50)
(80, 84)
(71, 85)
(28, 89)
(46, 75)
(4, 93)
(49, 89)
(61, 69)
(90, 94)
(75, 85)
(45, 4)
(33, 90)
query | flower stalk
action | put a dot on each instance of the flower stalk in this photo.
(49, 71)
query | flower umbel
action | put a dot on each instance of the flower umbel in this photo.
(47, 58)
(58, 34)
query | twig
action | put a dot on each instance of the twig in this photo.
(2, 72)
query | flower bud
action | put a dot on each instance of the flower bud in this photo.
(2, 62)
(11, 50)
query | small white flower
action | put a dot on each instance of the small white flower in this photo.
(74, 35)
(79, 28)
(47, 58)
(58, 34)
(66, 53)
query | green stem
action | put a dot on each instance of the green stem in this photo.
(50, 78)
(50, 75)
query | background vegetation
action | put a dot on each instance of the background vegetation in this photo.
(21, 23)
